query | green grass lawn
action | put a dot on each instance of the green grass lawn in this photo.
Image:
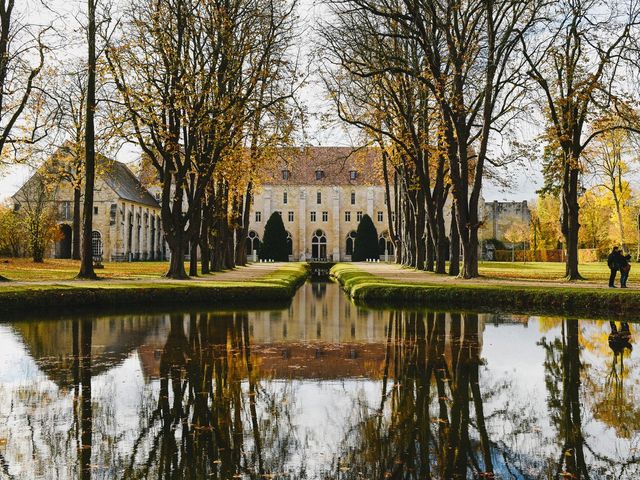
(279, 285)
(542, 270)
(23, 269)
(587, 300)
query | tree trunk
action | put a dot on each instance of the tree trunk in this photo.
(194, 240)
(571, 221)
(470, 255)
(419, 226)
(177, 246)
(454, 260)
(77, 193)
(86, 261)
(431, 254)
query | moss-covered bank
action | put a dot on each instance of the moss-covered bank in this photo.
(372, 290)
(275, 287)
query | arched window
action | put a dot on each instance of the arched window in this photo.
(289, 243)
(96, 244)
(319, 245)
(253, 242)
(351, 242)
(385, 245)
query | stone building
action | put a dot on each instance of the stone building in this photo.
(126, 217)
(499, 216)
(322, 193)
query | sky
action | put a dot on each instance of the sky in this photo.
(524, 184)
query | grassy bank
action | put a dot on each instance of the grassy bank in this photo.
(372, 290)
(277, 286)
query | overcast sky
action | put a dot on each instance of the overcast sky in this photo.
(524, 183)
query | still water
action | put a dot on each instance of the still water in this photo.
(322, 389)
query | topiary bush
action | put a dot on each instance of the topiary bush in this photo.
(366, 245)
(274, 242)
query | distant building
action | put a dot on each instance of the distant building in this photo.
(322, 193)
(499, 216)
(126, 218)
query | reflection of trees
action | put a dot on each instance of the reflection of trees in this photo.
(614, 401)
(562, 378)
(426, 433)
(207, 421)
(82, 408)
(563, 369)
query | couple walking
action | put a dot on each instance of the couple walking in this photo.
(617, 261)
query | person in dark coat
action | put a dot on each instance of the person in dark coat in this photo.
(613, 261)
(625, 268)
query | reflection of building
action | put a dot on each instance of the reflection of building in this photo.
(322, 193)
(321, 335)
(126, 218)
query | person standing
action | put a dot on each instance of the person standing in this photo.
(613, 262)
(625, 268)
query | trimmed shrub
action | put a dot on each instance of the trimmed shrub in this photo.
(366, 246)
(274, 242)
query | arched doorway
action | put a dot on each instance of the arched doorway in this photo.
(319, 245)
(253, 242)
(351, 242)
(289, 243)
(385, 245)
(63, 248)
(96, 245)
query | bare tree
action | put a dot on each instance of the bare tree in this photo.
(470, 67)
(22, 58)
(575, 59)
(186, 73)
(86, 256)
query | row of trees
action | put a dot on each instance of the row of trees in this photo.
(442, 87)
(204, 89)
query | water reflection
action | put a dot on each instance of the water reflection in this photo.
(322, 389)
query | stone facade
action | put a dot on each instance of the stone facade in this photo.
(499, 216)
(322, 193)
(126, 218)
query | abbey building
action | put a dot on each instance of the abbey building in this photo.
(322, 194)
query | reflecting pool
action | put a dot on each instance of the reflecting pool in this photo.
(320, 390)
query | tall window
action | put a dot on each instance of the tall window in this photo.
(291, 216)
(358, 216)
(318, 197)
(258, 216)
(285, 198)
(313, 216)
(347, 216)
(325, 216)
(353, 198)
(96, 244)
(286, 174)
(65, 210)
(380, 217)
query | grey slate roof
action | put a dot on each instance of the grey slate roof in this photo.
(118, 176)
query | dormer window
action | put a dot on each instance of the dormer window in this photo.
(319, 174)
(286, 174)
(353, 174)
